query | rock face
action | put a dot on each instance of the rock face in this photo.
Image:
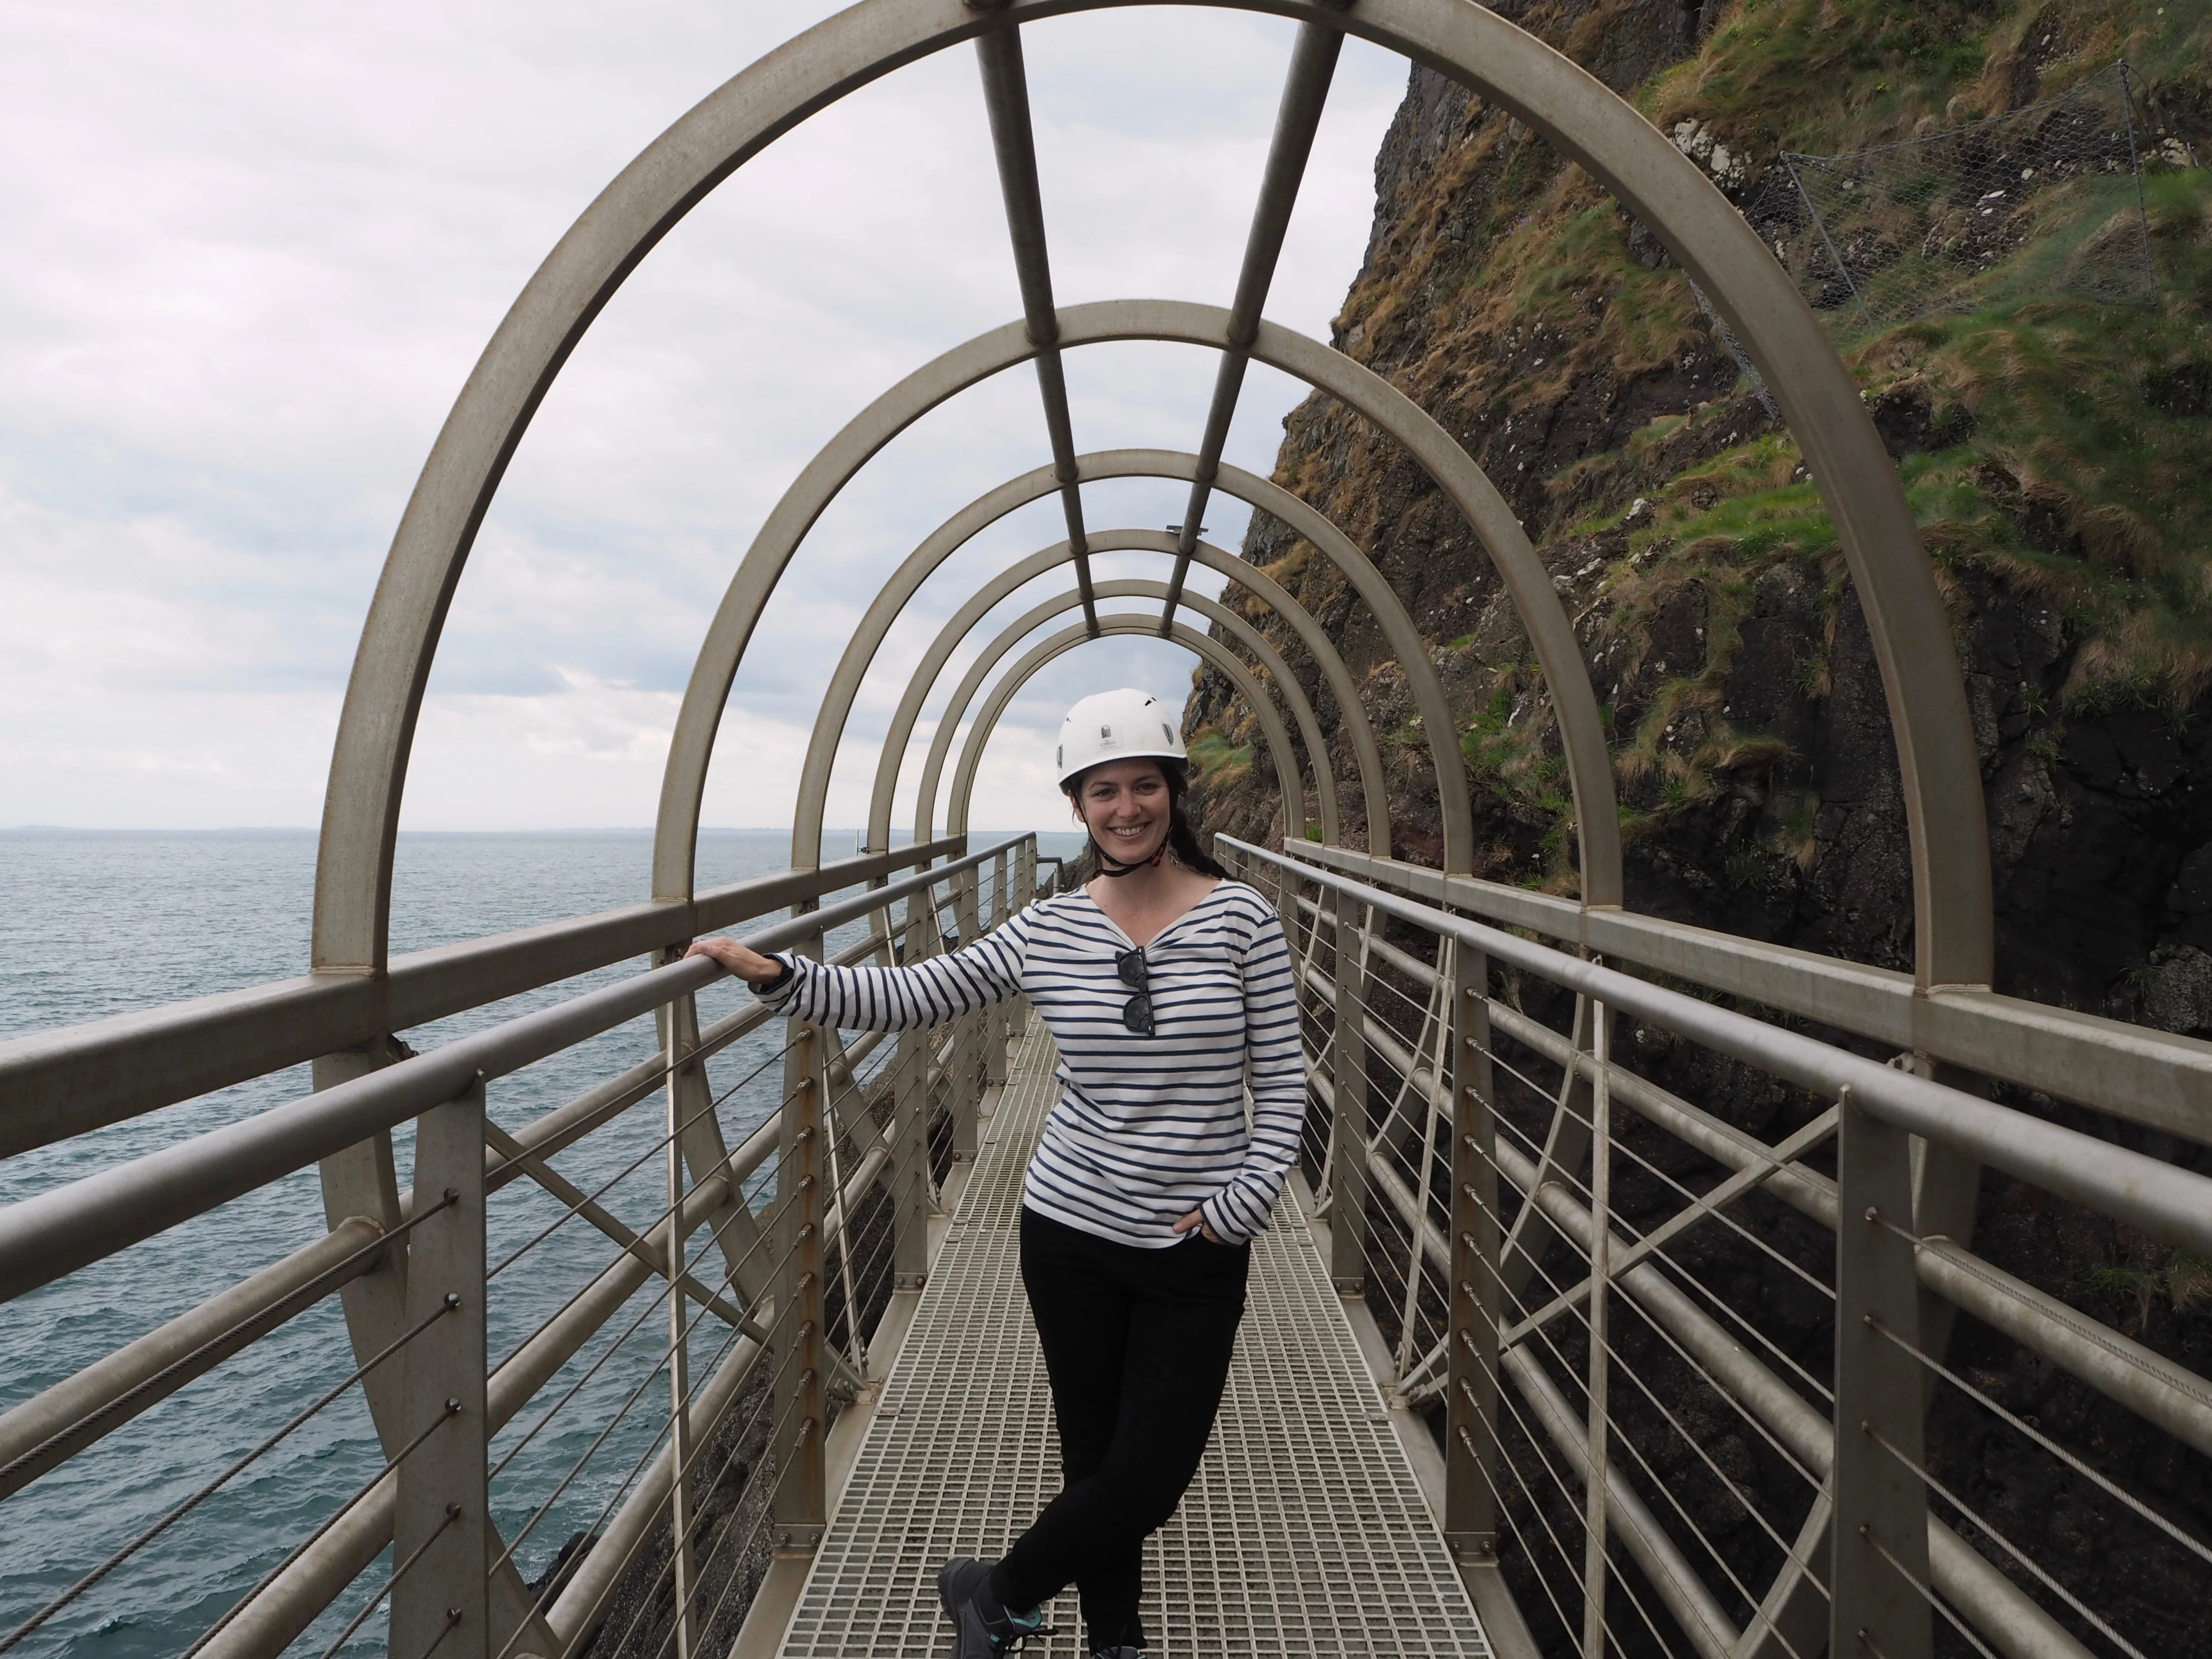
(1758, 784)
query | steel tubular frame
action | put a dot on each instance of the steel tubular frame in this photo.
(343, 1015)
(1867, 1544)
(453, 1587)
(1305, 90)
(1278, 738)
(837, 706)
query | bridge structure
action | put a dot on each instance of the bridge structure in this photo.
(1506, 1386)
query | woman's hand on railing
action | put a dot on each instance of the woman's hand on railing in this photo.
(747, 963)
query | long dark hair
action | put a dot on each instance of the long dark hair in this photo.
(1183, 839)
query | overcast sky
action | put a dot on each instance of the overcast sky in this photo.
(252, 251)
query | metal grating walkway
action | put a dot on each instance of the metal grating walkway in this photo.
(1304, 1534)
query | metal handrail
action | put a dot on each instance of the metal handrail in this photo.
(1490, 1323)
(2147, 1077)
(73, 1078)
(2167, 1202)
(67, 1227)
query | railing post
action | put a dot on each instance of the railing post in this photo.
(1595, 1519)
(998, 1022)
(910, 1163)
(968, 1041)
(1347, 1197)
(801, 1503)
(682, 1562)
(1879, 1610)
(1472, 1464)
(441, 1599)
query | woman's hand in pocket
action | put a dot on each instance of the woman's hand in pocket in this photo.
(1196, 1219)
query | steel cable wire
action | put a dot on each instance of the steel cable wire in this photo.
(592, 1450)
(609, 1351)
(1928, 1594)
(1505, 1514)
(690, 1532)
(652, 1450)
(1695, 1200)
(308, 1542)
(1727, 1483)
(629, 1170)
(2196, 1546)
(645, 1532)
(712, 1370)
(450, 1304)
(1568, 1491)
(1616, 1434)
(453, 1514)
(1750, 1417)
(266, 1319)
(1573, 1183)
(700, 1568)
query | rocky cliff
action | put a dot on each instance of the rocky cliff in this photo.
(2053, 448)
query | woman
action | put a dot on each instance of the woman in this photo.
(1165, 983)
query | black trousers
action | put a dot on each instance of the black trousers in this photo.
(1137, 1343)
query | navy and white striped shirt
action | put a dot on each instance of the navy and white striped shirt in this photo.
(1148, 1128)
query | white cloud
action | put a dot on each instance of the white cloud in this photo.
(255, 248)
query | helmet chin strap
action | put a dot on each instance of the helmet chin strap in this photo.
(1111, 867)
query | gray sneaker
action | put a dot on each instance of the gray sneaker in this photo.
(981, 1629)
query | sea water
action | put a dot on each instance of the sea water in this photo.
(98, 924)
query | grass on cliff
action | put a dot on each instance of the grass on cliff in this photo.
(1511, 286)
(1216, 761)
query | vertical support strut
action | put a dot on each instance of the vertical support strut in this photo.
(1880, 1608)
(1006, 98)
(997, 1024)
(910, 1163)
(439, 1535)
(1348, 1197)
(801, 1502)
(1305, 91)
(681, 1563)
(1473, 1467)
(1595, 1521)
(968, 1042)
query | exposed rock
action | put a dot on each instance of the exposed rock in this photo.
(1757, 773)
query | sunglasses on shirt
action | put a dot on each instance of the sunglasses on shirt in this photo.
(1137, 1011)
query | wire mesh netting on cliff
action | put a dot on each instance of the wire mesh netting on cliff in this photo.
(2046, 199)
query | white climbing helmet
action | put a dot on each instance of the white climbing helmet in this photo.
(1111, 725)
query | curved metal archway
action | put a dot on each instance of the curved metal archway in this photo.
(925, 808)
(828, 729)
(1281, 754)
(1500, 63)
(1056, 645)
(690, 749)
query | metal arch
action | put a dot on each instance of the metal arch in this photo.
(1581, 729)
(860, 654)
(1006, 582)
(1591, 125)
(691, 747)
(1023, 626)
(1145, 626)
(955, 531)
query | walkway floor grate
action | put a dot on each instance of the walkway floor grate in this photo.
(1305, 1533)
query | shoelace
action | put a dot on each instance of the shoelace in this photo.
(1019, 1639)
